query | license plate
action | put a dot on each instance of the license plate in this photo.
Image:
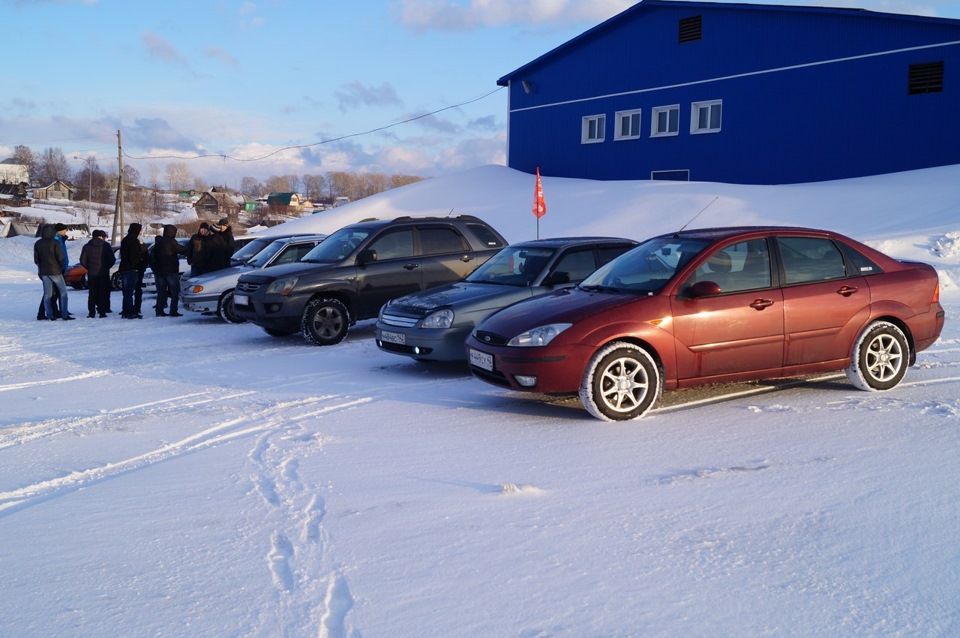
(393, 337)
(241, 300)
(481, 360)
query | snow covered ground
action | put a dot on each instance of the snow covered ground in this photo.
(183, 477)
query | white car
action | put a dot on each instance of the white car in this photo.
(212, 292)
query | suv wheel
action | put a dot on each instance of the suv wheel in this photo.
(226, 311)
(621, 382)
(325, 322)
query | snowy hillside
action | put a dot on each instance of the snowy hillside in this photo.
(184, 477)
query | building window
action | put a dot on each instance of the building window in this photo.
(665, 121)
(691, 29)
(628, 125)
(705, 117)
(925, 78)
(592, 131)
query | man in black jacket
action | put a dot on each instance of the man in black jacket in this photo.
(131, 256)
(97, 257)
(49, 258)
(165, 263)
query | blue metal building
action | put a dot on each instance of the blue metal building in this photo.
(740, 93)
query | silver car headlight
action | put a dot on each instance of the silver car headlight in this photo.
(439, 319)
(282, 286)
(539, 336)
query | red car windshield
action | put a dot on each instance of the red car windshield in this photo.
(647, 268)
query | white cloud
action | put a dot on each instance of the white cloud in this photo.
(449, 15)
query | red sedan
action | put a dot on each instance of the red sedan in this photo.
(715, 305)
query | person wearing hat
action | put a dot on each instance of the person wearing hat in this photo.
(196, 255)
(97, 257)
(228, 241)
(131, 256)
(215, 255)
(48, 256)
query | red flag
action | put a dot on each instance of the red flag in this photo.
(539, 206)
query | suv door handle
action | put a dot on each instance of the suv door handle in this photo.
(846, 291)
(466, 258)
(411, 266)
(760, 304)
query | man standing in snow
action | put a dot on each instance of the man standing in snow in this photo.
(229, 242)
(97, 257)
(48, 255)
(131, 255)
(196, 256)
(165, 263)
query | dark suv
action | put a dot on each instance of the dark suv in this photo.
(357, 269)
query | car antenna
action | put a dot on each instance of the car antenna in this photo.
(682, 228)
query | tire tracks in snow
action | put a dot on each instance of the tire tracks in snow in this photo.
(267, 417)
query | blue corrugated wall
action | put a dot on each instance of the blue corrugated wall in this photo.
(808, 95)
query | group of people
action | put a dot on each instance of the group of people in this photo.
(208, 250)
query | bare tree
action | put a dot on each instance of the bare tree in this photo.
(178, 176)
(51, 166)
(314, 186)
(24, 156)
(200, 185)
(251, 187)
(374, 183)
(396, 181)
(341, 184)
(131, 176)
(278, 184)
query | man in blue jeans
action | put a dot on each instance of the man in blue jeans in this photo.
(131, 254)
(48, 255)
(165, 263)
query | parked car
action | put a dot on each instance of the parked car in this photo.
(715, 305)
(434, 324)
(357, 269)
(212, 292)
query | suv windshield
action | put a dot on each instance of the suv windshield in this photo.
(647, 268)
(512, 266)
(337, 246)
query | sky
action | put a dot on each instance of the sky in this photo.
(276, 87)
(187, 477)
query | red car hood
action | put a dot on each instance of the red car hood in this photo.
(563, 306)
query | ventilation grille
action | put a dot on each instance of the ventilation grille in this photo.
(691, 29)
(926, 78)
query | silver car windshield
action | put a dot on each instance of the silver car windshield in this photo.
(265, 255)
(337, 246)
(513, 266)
(251, 249)
(647, 268)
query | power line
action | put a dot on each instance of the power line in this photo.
(329, 141)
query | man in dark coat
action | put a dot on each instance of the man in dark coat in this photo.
(226, 232)
(131, 254)
(196, 256)
(97, 257)
(215, 255)
(165, 263)
(48, 256)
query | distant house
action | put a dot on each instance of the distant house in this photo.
(740, 93)
(285, 201)
(59, 189)
(13, 173)
(214, 206)
(14, 194)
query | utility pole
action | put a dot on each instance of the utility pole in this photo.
(118, 209)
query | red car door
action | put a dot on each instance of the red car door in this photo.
(823, 306)
(739, 330)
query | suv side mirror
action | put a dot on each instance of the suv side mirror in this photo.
(555, 278)
(366, 256)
